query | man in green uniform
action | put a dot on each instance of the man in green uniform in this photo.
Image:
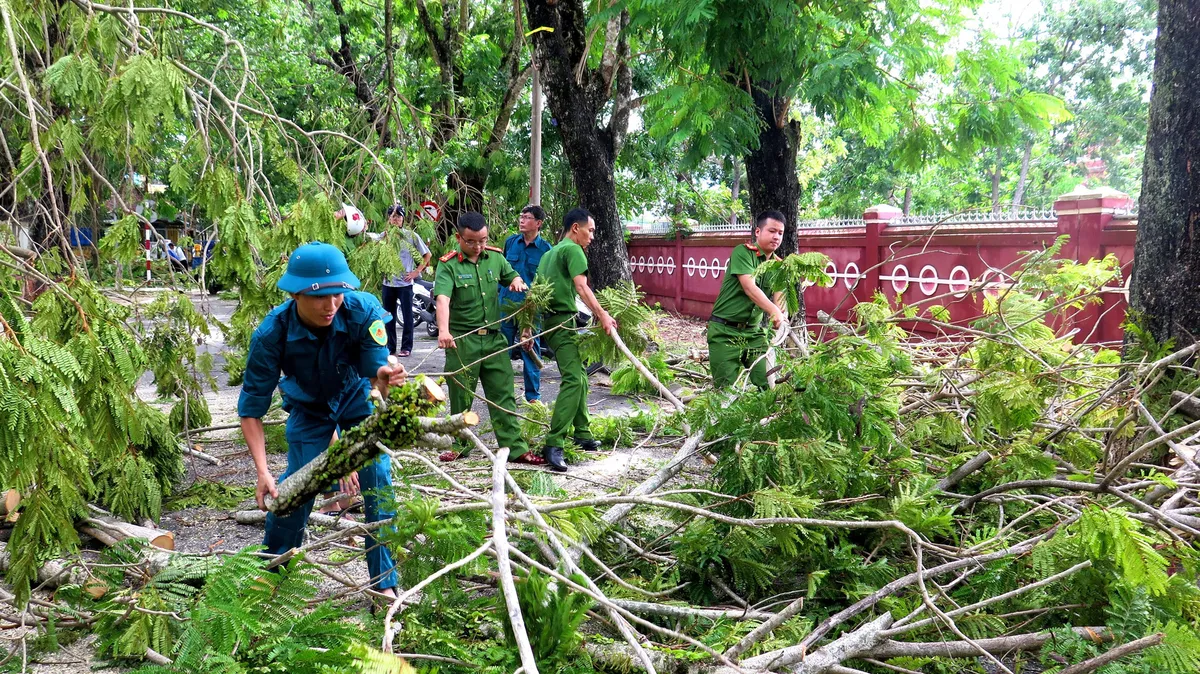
(466, 289)
(736, 338)
(565, 267)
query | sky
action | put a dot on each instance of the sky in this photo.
(1005, 17)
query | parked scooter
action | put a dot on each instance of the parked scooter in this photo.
(423, 306)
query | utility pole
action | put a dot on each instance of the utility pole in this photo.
(535, 143)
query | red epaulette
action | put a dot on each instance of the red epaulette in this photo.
(752, 248)
(493, 248)
(447, 257)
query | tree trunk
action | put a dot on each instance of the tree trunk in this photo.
(578, 104)
(907, 199)
(736, 190)
(996, 181)
(771, 169)
(1019, 193)
(467, 187)
(1165, 288)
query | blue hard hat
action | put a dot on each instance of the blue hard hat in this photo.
(318, 269)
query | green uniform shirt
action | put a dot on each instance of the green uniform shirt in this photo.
(733, 304)
(473, 287)
(560, 266)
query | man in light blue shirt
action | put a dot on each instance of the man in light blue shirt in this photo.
(176, 257)
(399, 289)
(524, 252)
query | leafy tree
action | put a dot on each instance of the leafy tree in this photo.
(745, 75)
(589, 90)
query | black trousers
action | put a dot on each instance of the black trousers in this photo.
(404, 297)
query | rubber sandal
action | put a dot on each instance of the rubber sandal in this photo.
(404, 354)
(529, 458)
(449, 456)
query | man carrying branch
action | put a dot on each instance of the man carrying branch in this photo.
(466, 290)
(565, 268)
(736, 338)
(329, 342)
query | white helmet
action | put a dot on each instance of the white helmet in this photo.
(355, 222)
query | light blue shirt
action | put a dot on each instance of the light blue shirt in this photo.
(406, 257)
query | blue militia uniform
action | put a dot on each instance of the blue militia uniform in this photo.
(525, 259)
(325, 386)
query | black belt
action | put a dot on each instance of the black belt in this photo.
(735, 326)
(561, 314)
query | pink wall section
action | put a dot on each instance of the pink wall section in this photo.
(914, 264)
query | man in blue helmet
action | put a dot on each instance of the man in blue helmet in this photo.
(330, 343)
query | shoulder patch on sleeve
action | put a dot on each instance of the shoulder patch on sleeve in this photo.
(377, 332)
(448, 256)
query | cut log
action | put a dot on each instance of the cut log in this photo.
(395, 424)
(110, 530)
(202, 455)
(52, 573)
(430, 389)
(8, 505)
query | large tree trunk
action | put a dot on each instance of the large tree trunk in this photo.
(1165, 289)
(771, 168)
(577, 101)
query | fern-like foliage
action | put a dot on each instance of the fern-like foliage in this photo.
(527, 314)
(635, 325)
(73, 427)
(552, 619)
(626, 380)
(786, 275)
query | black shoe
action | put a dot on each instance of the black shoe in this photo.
(554, 458)
(587, 445)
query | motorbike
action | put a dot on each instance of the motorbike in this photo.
(423, 307)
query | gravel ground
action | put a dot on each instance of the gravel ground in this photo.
(204, 529)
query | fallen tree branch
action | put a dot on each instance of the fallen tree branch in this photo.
(978, 461)
(684, 612)
(392, 424)
(846, 647)
(204, 456)
(504, 566)
(1188, 405)
(645, 372)
(252, 517)
(963, 649)
(1114, 654)
(765, 629)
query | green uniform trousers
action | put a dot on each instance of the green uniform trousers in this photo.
(496, 374)
(731, 350)
(570, 407)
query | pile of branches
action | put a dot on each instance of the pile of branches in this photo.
(992, 498)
